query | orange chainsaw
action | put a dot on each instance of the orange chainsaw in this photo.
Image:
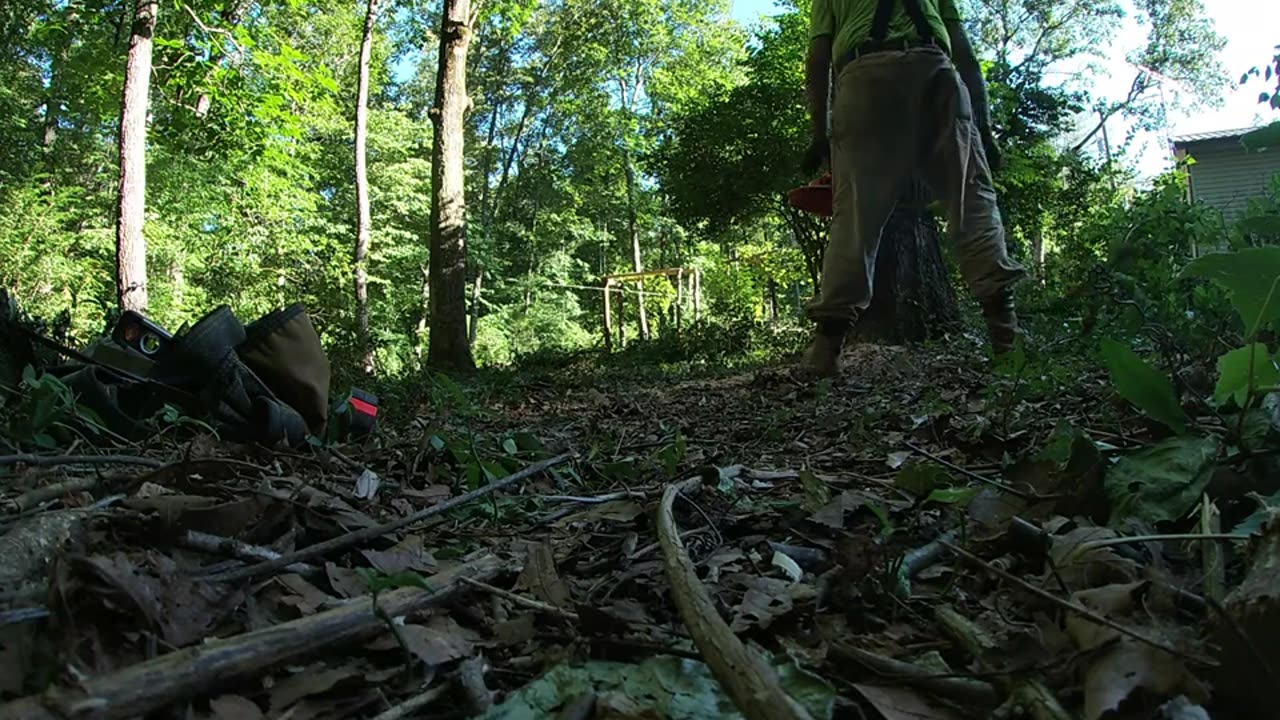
(814, 197)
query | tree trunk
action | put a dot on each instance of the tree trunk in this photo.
(364, 222)
(633, 228)
(131, 245)
(913, 299)
(448, 347)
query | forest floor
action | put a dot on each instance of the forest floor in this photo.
(923, 508)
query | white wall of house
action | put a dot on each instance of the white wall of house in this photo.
(1225, 175)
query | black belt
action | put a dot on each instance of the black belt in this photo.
(879, 46)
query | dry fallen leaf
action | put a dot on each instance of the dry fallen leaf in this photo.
(541, 579)
(345, 581)
(312, 681)
(1082, 567)
(1122, 665)
(833, 514)
(408, 554)
(234, 707)
(901, 703)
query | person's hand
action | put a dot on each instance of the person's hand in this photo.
(816, 156)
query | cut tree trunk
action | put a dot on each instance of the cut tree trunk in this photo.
(912, 299)
(364, 221)
(449, 348)
(131, 245)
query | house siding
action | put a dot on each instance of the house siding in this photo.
(1225, 175)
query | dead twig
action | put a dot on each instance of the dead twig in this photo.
(980, 478)
(353, 539)
(218, 545)
(523, 601)
(596, 499)
(745, 677)
(1031, 695)
(471, 678)
(1078, 609)
(410, 707)
(143, 688)
(951, 688)
(51, 460)
(34, 498)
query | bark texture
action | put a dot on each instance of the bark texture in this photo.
(364, 221)
(131, 245)
(449, 348)
(913, 298)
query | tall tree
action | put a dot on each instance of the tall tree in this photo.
(364, 222)
(131, 245)
(449, 347)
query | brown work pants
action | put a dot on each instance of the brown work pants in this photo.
(897, 116)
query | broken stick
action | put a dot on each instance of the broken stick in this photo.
(154, 684)
(746, 678)
(353, 539)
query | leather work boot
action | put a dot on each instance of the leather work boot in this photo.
(822, 358)
(1002, 321)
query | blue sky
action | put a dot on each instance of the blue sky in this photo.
(1252, 29)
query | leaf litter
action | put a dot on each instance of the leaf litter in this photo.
(823, 535)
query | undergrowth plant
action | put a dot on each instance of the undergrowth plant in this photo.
(1238, 418)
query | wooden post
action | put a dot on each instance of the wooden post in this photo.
(622, 317)
(679, 297)
(608, 320)
(697, 295)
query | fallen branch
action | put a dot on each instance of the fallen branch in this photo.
(48, 460)
(961, 690)
(746, 678)
(218, 545)
(358, 537)
(523, 601)
(194, 671)
(1078, 609)
(409, 707)
(1003, 487)
(1031, 695)
(40, 495)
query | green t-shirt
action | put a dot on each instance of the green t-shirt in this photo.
(848, 22)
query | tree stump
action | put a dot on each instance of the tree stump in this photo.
(912, 299)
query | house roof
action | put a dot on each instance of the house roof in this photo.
(1211, 135)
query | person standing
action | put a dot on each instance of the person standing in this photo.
(899, 110)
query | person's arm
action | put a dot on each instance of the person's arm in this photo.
(817, 81)
(966, 62)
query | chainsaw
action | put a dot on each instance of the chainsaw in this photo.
(814, 197)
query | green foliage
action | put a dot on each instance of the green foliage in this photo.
(1242, 371)
(1251, 275)
(1143, 385)
(1163, 482)
(46, 414)
(679, 689)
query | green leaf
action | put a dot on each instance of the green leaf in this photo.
(1253, 524)
(379, 582)
(816, 493)
(1163, 482)
(920, 478)
(509, 446)
(528, 442)
(1233, 374)
(1143, 385)
(953, 496)
(1249, 275)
